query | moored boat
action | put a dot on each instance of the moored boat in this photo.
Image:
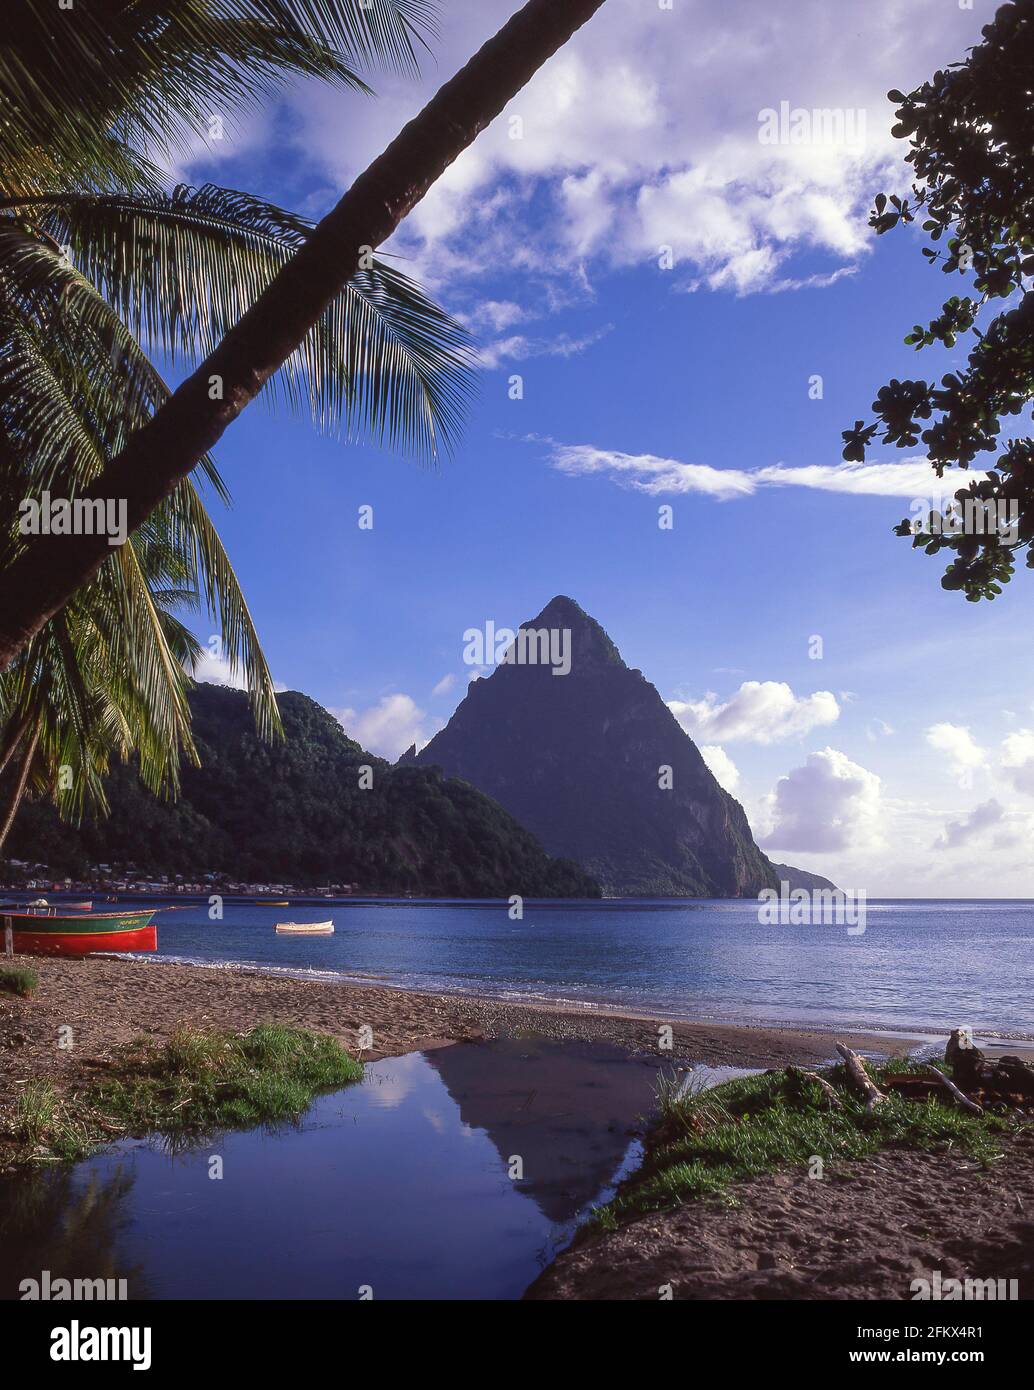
(45, 931)
(80, 907)
(305, 928)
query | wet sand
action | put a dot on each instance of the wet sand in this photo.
(107, 1002)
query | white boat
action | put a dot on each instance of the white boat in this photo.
(305, 928)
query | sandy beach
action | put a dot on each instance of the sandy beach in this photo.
(864, 1234)
(107, 1002)
(868, 1232)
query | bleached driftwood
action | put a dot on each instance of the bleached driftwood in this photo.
(801, 1075)
(960, 1096)
(861, 1078)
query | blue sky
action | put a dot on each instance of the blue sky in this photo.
(900, 761)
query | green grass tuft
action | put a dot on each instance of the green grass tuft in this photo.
(19, 979)
(194, 1084)
(704, 1142)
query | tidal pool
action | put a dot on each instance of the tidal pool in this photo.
(450, 1174)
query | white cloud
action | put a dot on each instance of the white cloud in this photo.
(670, 153)
(218, 671)
(722, 767)
(445, 684)
(911, 477)
(389, 727)
(959, 747)
(876, 728)
(495, 315)
(759, 712)
(975, 823)
(1018, 759)
(829, 804)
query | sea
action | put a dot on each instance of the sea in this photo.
(923, 965)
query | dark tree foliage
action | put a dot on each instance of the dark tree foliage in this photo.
(295, 812)
(971, 130)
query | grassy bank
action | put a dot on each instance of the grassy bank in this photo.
(705, 1142)
(198, 1082)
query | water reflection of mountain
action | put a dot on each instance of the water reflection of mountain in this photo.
(61, 1221)
(566, 1108)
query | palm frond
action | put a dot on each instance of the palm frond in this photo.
(81, 90)
(384, 362)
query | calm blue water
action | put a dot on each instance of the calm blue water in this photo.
(920, 965)
(403, 1184)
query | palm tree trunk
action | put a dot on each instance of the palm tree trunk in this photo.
(19, 786)
(158, 456)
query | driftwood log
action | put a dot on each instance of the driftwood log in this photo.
(1006, 1080)
(960, 1096)
(861, 1078)
(798, 1075)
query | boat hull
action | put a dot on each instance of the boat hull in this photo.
(82, 936)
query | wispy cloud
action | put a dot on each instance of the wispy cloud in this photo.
(656, 476)
(518, 346)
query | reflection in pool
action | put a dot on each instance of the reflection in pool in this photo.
(401, 1184)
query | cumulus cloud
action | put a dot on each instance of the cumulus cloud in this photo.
(968, 827)
(960, 748)
(388, 728)
(216, 670)
(1018, 760)
(829, 804)
(672, 155)
(759, 712)
(722, 767)
(911, 477)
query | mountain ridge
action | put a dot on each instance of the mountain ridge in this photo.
(582, 759)
(294, 811)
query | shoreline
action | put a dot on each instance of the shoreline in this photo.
(106, 1000)
(707, 1250)
(919, 1033)
(108, 995)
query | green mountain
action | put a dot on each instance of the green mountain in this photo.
(801, 878)
(579, 759)
(294, 812)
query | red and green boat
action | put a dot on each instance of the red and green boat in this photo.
(54, 932)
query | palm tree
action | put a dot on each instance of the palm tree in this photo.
(95, 254)
(165, 451)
